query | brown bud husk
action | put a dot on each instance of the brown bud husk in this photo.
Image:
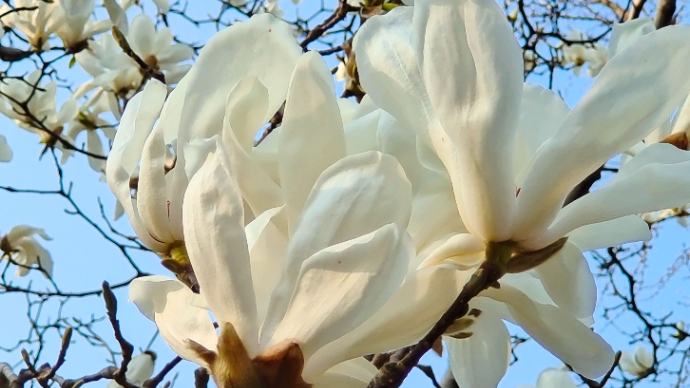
(525, 261)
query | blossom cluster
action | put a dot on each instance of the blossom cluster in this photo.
(352, 227)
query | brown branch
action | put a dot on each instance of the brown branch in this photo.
(665, 9)
(127, 348)
(393, 374)
(636, 10)
(201, 378)
(154, 381)
(338, 15)
(613, 6)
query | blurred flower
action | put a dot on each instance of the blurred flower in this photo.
(139, 369)
(5, 150)
(639, 364)
(22, 247)
(41, 112)
(553, 378)
(37, 24)
(575, 53)
(88, 120)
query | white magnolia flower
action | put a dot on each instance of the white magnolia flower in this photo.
(553, 378)
(626, 34)
(37, 25)
(575, 53)
(24, 250)
(87, 120)
(284, 297)
(5, 150)
(41, 107)
(74, 24)
(196, 108)
(639, 364)
(503, 195)
(139, 369)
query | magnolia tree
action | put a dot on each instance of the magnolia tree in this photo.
(319, 195)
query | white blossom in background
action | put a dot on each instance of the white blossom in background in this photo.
(41, 106)
(575, 53)
(36, 25)
(553, 378)
(110, 68)
(139, 369)
(638, 364)
(74, 24)
(597, 56)
(513, 192)
(88, 120)
(25, 250)
(5, 150)
(163, 5)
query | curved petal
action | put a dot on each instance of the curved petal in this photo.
(458, 247)
(389, 72)
(652, 79)
(555, 378)
(137, 122)
(626, 34)
(384, 332)
(216, 242)
(481, 360)
(271, 58)
(472, 66)
(651, 187)
(311, 137)
(342, 286)
(244, 115)
(558, 332)
(541, 114)
(141, 35)
(611, 233)
(355, 373)
(569, 281)
(169, 304)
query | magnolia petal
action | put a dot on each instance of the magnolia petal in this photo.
(458, 247)
(141, 35)
(246, 106)
(569, 281)
(360, 134)
(456, 38)
(357, 195)
(152, 190)
(388, 69)
(652, 187)
(481, 360)
(270, 57)
(342, 286)
(168, 303)
(601, 126)
(555, 378)
(355, 373)
(558, 332)
(217, 247)
(267, 245)
(311, 137)
(385, 330)
(137, 122)
(626, 34)
(5, 150)
(611, 233)
(541, 113)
